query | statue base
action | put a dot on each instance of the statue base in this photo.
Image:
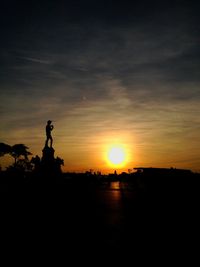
(48, 165)
(48, 155)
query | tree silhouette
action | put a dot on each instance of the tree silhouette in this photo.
(58, 163)
(24, 165)
(4, 149)
(18, 151)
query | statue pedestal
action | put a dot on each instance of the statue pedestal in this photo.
(48, 155)
(48, 167)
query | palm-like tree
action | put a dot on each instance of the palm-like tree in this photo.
(20, 154)
(18, 151)
(4, 149)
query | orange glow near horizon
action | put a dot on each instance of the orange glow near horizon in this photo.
(105, 153)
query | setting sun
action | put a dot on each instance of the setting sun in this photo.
(116, 156)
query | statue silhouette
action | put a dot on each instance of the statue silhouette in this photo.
(49, 128)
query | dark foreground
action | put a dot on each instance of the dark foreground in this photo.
(101, 219)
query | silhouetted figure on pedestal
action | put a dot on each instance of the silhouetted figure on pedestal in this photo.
(48, 169)
(49, 128)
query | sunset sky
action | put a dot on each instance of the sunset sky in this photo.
(106, 73)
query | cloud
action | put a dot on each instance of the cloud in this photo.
(135, 77)
(36, 60)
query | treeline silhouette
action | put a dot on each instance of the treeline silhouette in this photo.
(27, 173)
